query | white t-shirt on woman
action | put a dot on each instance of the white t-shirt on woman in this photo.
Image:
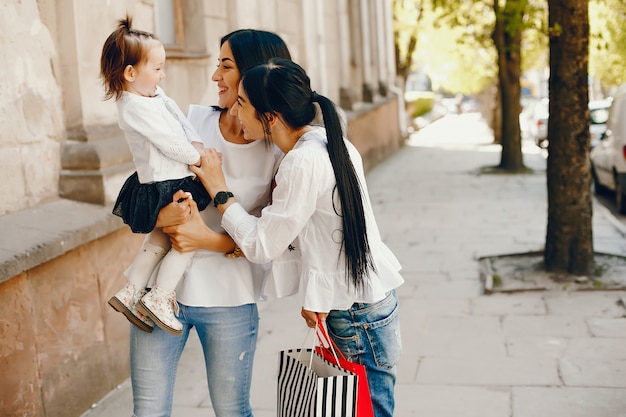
(212, 279)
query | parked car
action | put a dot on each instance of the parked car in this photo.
(538, 124)
(608, 157)
(598, 115)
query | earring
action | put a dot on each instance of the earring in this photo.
(268, 132)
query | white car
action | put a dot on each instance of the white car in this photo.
(608, 157)
(538, 121)
(598, 115)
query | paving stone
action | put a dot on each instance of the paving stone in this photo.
(490, 371)
(593, 373)
(568, 402)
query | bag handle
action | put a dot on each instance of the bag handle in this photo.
(304, 344)
(329, 341)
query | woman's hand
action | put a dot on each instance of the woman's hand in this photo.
(210, 171)
(194, 234)
(311, 317)
(177, 212)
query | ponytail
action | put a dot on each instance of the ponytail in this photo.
(282, 87)
(355, 243)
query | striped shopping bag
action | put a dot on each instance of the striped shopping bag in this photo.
(310, 386)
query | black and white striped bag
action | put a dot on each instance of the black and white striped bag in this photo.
(310, 386)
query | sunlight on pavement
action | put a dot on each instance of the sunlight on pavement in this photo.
(463, 131)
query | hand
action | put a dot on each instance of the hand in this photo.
(199, 146)
(311, 317)
(186, 236)
(195, 234)
(177, 212)
(210, 171)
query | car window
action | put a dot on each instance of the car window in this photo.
(599, 116)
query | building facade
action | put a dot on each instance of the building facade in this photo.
(63, 157)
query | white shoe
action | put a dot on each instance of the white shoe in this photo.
(125, 301)
(162, 308)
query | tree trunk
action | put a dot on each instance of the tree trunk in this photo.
(508, 38)
(569, 240)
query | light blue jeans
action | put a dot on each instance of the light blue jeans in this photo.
(228, 336)
(369, 334)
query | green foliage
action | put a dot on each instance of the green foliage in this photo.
(455, 46)
(407, 15)
(422, 102)
(607, 41)
(497, 280)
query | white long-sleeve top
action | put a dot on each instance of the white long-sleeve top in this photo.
(159, 136)
(212, 279)
(303, 220)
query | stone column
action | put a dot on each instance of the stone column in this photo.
(380, 17)
(366, 51)
(347, 96)
(94, 159)
(389, 44)
(312, 13)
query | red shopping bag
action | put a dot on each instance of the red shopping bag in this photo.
(329, 351)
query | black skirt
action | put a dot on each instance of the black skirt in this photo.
(139, 204)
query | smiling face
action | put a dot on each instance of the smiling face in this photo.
(227, 77)
(144, 77)
(247, 115)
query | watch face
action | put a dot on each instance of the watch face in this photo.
(222, 197)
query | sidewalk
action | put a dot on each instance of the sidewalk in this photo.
(528, 354)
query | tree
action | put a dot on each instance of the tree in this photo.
(407, 15)
(507, 37)
(569, 242)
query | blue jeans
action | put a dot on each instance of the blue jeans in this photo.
(369, 334)
(228, 336)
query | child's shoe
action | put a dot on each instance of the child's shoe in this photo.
(125, 301)
(162, 308)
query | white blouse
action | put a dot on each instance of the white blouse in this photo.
(212, 279)
(159, 136)
(302, 222)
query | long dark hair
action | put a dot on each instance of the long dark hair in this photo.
(252, 47)
(283, 87)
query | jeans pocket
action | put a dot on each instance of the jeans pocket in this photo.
(343, 332)
(385, 340)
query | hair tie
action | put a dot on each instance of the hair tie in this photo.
(314, 96)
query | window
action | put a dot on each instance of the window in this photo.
(169, 23)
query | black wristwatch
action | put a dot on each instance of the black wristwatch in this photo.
(222, 197)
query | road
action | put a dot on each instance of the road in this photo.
(607, 200)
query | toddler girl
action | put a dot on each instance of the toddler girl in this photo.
(163, 144)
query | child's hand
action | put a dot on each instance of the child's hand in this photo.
(191, 235)
(210, 171)
(200, 148)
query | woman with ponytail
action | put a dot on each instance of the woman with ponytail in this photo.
(321, 211)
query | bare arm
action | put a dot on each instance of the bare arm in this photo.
(212, 176)
(194, 234)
